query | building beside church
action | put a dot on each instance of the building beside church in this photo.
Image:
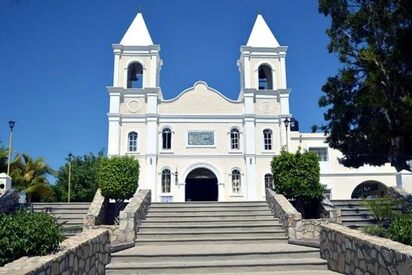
(202, 145)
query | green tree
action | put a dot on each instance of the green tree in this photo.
(296, 176)
(118, 179)
(84, 178)
(369, 101)
(30, 175)
(3, 159)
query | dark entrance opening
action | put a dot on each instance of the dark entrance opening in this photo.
(201, 185)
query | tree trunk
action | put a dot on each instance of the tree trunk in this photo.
(118, 206)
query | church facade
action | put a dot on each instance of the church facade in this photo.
(201, 145)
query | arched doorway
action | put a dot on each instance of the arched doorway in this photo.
(369, 189)
(201, 185)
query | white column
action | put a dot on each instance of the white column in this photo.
(153, 71)
(113, 146)
(283, 73)
(250, 142)
(250, 157)
(116, 68)
(151, 175)
(151, 143)
(220, 191)
(246, 71)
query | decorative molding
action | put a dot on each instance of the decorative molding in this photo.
(201, 82)
(266, 106)
(133, 106)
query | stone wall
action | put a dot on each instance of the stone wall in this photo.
(85, 253)
(350, 251)
(291, 220)
(97, 211)
(133, 214)
(401, 194)
(282, 209)
(329, 212)
(9, 200)
(130, 217)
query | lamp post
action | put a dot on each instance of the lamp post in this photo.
(70, 175)
(176, 177)
(11, 125)
(286, 121)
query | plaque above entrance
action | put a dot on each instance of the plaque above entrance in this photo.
(201, 138)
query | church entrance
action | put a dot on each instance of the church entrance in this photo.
(201, 185)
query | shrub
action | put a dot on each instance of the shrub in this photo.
(118, 177)
(296, 176)
(28, 234)
(383, 209)
(118, 180)
(375, 230)
(400, 229)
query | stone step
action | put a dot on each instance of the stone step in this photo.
(209, 209)
(69, 215)
(347, 202)
(60, 206)
(249, 239)
(208, 205)
(70, 222)
(221, 265)
(63, 211)
(195, 235)
(209, 219)
(149, 222)
(351, 223)
(250, 229)
(358, 218)
(210, 252)
(207, 226)
(353, 211)
(218, 229)
(245, 214)
(278, 272)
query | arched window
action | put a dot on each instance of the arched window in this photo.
(132, 142)
(166, 181)
(135, 75)
(269, 181)
(265, 77)
(166, 138)
(236, 182)
(234, 139)
(267, 139)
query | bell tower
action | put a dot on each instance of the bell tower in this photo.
(263, 86)
(137, 61)
(262, 60)
(136, 74)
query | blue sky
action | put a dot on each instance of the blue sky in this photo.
(56, 60)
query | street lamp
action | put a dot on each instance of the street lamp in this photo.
(11, 125)
(176, 177)
(70, 175)
(287, 121)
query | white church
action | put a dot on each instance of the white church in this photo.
(202, 145)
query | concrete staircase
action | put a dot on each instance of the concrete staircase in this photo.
(69, 214)
(213, 238)
(354, 214)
